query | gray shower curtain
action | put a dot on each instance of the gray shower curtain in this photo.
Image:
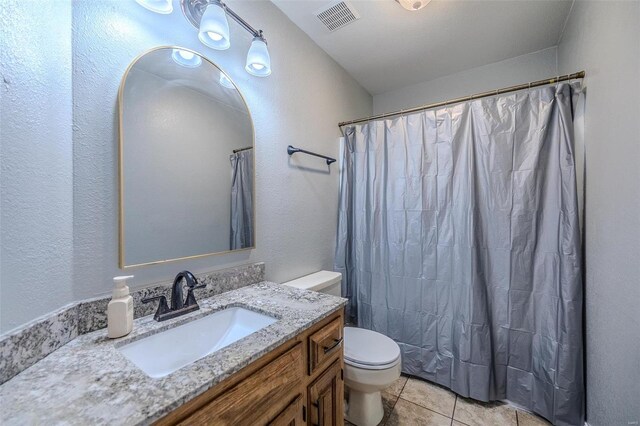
(458, 237)
(241, 200)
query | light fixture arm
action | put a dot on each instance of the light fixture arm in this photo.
(244, 24)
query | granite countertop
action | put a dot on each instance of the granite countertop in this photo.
(88, 381)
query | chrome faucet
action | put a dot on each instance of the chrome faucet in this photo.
(179, 306)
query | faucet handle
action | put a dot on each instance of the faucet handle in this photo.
(191, 298)
(163, 307)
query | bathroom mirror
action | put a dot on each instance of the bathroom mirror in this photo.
(186, 160)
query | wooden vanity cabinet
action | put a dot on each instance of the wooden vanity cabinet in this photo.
(299, 383)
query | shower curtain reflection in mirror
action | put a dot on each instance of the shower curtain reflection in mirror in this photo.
(458, 237)
(242, 199)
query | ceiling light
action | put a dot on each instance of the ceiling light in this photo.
(186, 58)
(258, 59)
(159, 6)
(226, 82)
(214, 27)
(413, 4)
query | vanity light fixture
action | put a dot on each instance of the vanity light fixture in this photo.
(210, 18)
(186, 58)
(258, 60)
(159, 6)
(214, 27)
(413, 5)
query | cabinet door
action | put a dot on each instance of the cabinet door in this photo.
(326, 398)
(290, 416)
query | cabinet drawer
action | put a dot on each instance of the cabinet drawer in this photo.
(258, 398)
(325, 343)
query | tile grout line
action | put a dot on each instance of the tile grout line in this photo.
(424, 408)
(403, 386)
(395, 402)
(455, 405)
(452, 417)
(455, 402)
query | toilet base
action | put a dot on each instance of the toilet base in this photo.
(364, 409)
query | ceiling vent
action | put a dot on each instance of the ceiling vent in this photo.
(337, 15)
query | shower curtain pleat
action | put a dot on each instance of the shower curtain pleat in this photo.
(458, 237)
(241, 230)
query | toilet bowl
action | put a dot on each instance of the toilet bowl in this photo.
(371, 364)
(372, 361)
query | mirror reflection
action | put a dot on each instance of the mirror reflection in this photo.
(187, 166)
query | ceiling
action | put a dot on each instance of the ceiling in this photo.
(390, 47)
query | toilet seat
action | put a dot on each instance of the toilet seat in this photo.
(369, 350)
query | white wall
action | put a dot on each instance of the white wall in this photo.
(603, 38)
(300, 104)
(521, 69)
(36, 239)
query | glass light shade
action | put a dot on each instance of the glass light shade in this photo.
(258, 60)
(413, 4)
(159, 6)
(186, 58)
(225, 82)
(214, 27)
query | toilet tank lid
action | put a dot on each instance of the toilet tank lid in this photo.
(316, 281)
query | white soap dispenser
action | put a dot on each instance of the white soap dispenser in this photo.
(120, 310)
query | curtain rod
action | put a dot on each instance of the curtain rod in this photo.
(235, 151)
(538, 83)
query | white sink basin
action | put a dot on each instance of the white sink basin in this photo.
(161, 354)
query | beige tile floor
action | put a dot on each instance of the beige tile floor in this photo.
(414, 402)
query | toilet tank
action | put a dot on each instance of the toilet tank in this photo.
(328, 282)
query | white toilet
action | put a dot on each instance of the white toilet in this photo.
(371, 360)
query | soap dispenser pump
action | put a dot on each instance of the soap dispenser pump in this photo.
(120, 309)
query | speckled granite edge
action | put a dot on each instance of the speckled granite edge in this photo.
(32, 342)
(23, 348)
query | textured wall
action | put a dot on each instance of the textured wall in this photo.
(521, 69)
(300, 103)
(603, 38)
(54, 251)
(36, 162)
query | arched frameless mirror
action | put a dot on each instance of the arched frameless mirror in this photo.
(186, 160)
